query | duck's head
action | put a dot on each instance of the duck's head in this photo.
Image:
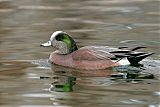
(62, 42)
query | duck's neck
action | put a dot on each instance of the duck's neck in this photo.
(64, 50)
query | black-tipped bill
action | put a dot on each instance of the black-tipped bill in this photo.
(46, 44)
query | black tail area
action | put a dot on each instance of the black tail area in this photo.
(138, 47)
(135, 59)
(136, 54)
(132, 48)
(127, 50)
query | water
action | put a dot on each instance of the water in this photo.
(28, 80)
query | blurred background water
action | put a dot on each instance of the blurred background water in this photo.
(28, 80)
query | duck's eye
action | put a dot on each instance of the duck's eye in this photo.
(59, 37)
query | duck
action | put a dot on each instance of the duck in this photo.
(67, 54)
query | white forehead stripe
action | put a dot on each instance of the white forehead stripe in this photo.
(54, 34)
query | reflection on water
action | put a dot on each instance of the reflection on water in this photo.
(125, 87)
(66, 86)
(28, 80)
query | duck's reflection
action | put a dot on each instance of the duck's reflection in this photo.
(64, 78)
(63, 84)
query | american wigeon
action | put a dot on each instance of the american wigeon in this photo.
(90, 57)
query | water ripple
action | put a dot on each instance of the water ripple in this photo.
(141, 42)
(104, 8)
(35, 7)
(6, 10)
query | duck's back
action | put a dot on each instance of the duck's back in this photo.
(93, 53)
(93, 57)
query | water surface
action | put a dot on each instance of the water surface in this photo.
(28, 80)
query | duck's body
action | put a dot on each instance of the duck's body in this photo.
(84, 58)
(90, 57)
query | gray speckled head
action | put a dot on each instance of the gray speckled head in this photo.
(62, 42)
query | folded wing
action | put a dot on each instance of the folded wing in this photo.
(95, 53)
